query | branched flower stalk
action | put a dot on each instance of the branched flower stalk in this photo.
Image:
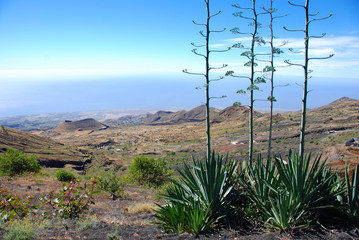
(208, 68)
(251, 55)
(309, 18)
(271, 69)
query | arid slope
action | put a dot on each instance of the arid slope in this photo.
(51, 153)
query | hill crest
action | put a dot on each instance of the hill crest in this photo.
(197, 114)
(88, 124)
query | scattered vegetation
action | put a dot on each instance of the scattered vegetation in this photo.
(85, 223)
(114, 235)
(12, 206)
(24, 229)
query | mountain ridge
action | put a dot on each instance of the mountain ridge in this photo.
(163, 117)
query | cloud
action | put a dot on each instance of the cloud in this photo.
(86, 72)
(239, 40)
(321, 52)
(44, 73)
(325, 42)
(343, 64)
(342, 42)
(219, 45)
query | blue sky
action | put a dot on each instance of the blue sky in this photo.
(62, 43)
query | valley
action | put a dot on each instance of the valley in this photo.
(177, 136)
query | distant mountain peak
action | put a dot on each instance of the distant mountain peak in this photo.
(339, 104)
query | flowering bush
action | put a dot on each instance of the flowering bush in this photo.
(72, 200)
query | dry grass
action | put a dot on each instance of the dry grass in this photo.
(142, 207)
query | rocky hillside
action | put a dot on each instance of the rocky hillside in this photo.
(132, 119)
(197, 114)
(234, 113)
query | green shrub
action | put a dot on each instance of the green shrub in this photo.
(150, 172)
(64, 175)
(113, 184)
(16, 162)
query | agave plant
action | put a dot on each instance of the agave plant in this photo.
(312, 183)
(192, 218)
(287, 192)
(205, 187)
(258, 180)
(171, 217)
(352, 193)
(284, 212)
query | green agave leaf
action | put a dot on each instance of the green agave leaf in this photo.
(205, 189)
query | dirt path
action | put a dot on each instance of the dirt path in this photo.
(338, 132)
(333, 154)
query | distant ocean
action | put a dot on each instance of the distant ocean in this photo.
(22, 97)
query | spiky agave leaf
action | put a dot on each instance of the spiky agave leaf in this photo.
(205, 186)
(259, 181)
(286, 213)
(171, 217)
(210, 181)
(352, 188)
(310, 182)
(286, 193)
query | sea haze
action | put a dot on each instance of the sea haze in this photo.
(22, 97)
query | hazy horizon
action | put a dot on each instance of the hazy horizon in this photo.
(161, 93)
